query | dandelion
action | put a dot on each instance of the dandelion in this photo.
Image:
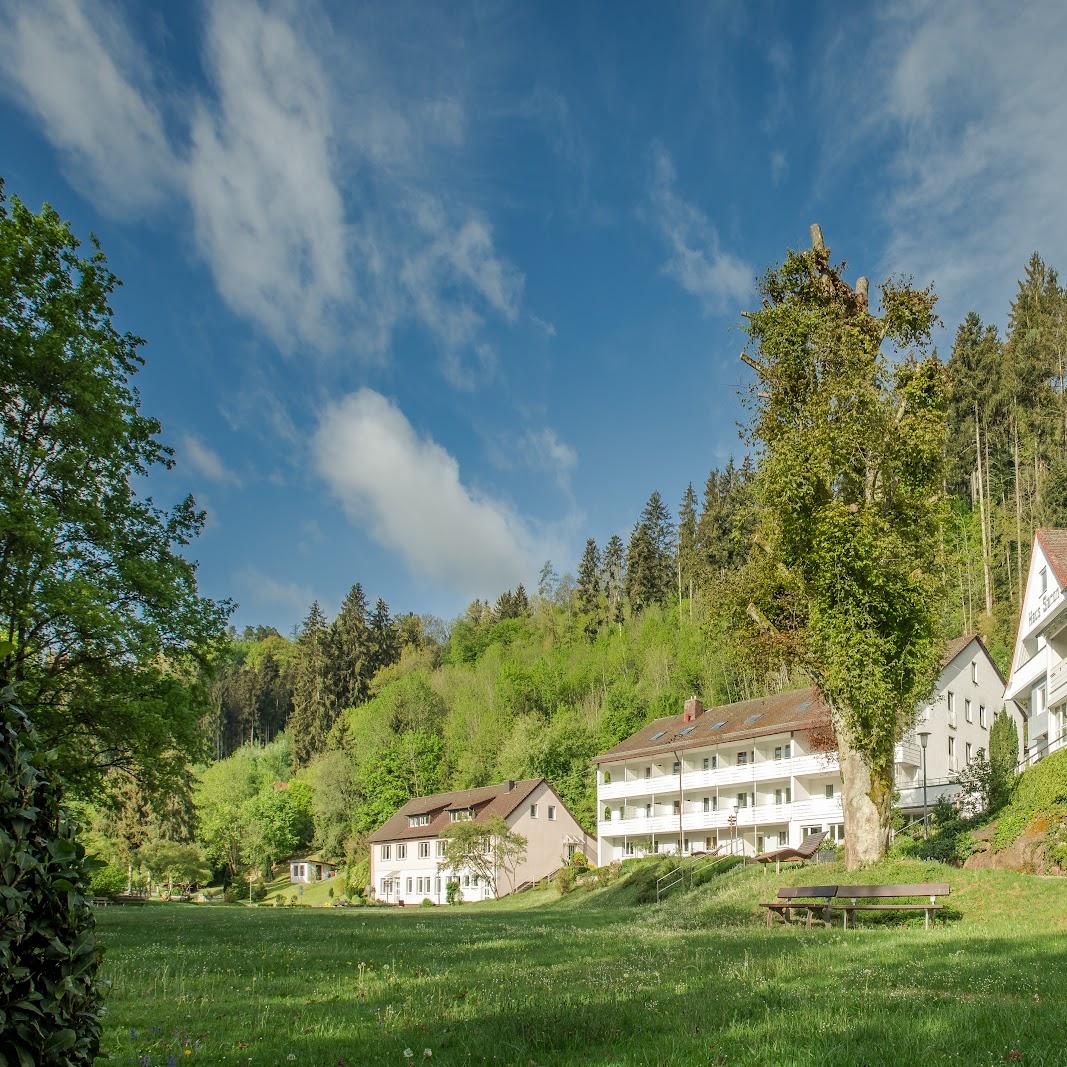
(408, 1054)
(427, 1052)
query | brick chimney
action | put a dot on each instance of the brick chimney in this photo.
(693, 709)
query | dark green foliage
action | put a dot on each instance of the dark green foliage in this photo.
(104, 626)
(1003, 760)
(352, 650)
(650, 559)
(612, 576)
(49, 1003)
(587, 592)
(315, 705)
(1039, 801)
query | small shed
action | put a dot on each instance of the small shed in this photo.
(304, 869)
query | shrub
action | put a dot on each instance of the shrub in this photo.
(579, 861)
(426, 903)
(259, 891)
(229, 894)
(107, 881)
(452, 893)
(48, 951)
(292, 900)
(565, 879)
(1040, 789)
(329, 892)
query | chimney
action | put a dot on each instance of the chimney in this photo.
(693, 709)
(509, 785)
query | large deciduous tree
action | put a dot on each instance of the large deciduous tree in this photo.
(99, 606)
(849, 423)
(489, 850)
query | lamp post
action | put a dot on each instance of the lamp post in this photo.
(924, 736)
(732, 820)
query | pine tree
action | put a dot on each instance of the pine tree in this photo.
(650, 557)
(521, 601)
(505, 606)
(588, 590)
(640, 569)
(1003, 759)
(687, 542)
(314, 705)
(352, 645)
(383, 638)
(613, 564)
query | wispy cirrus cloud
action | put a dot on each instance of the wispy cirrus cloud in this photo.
(205, 461)
(318, 183)
(696, 260)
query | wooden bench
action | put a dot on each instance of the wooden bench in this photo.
(804, 898)
(849, 897)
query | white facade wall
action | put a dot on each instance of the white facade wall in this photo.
(1038, 681)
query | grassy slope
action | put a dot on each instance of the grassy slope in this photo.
(589, 979)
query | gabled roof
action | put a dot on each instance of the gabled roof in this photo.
(1054, 545)
(955, 648)
(798, 709)
(501, 799)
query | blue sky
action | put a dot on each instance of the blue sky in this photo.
(432, 292)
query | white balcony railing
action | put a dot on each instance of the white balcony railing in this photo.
(1057, 683)
(761, 771)
(761, 815)
(1023, 678)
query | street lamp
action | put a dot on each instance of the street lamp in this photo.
(924, 736)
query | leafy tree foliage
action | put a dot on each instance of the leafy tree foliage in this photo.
(847, 581)
(588, 588)
(315, 704)
(1003, 759)
(48, 952)
(491, 850)
(104, 624)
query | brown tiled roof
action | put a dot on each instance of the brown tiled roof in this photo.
(1054, 545)
(487, 801)
(798, 709)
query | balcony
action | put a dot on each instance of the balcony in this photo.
(908, 754)
(1033, 670)
(1057, 683)
(747, 818)
(761, 771)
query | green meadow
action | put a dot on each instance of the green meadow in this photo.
(596, 977)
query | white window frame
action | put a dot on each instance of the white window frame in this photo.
(533, 811)
(386, 852)
(982, 720)
(951, 700)
(424, 850)
(401, 852)
(968, 710)
(551, 812)
(440, 849)
(974, 671)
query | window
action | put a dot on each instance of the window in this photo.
(981, 716)
(551, 812)
(759, 842)
(742, 800)
(787, 750)
(952, 753)
(951, 697)
(742, 759)
(676, 768)
(777, 751)
(783, 796)
(424, 850)
(461, 815)
(714, 761)
(533, 811)
(607, 777)
(401, 852)
(386, 852)
(783, 837)
(685, 731)
(487, 848)
(419, 820)
(629, 850)
(968, 714)
(474, 881)
(1043, 579)
(648, 811)
(829, 790)
(409, 885)
(657, 735)
(437, 885)
(467, 880)
(974, 671)
(707, 804)
(967, 752)
(648, 772)
(607, 815)
(707, 763)
(440, 849)
(675, 807)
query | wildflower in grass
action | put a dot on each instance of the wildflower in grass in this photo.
(291, 1056)
(408, 1054)
(427, 1053)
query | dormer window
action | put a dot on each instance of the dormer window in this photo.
(460, 815)
(419, 820)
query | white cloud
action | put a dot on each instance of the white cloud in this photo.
(697, 261)
(74, 68)
(544, 450)
(268, 211)
(407, 491)
(206, 461)
(263, 591)
(968, 99)
(779, 166)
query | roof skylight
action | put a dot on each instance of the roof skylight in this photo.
(657, 735)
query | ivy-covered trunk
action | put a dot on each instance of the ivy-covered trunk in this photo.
(867, 800)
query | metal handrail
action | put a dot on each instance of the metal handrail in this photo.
(1029, 757)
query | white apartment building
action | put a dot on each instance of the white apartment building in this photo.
(407, 853)
(756, 775)
(1038, 682)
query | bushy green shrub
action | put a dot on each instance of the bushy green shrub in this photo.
(579, 861)
(48, 952)
(949, 842)
(452, 892)
(259, 891)
(426, 903)
(229, 894)
(565, 879)
(107, 881)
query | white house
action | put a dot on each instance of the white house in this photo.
(1038, 681)
(408, 850)
(762, 774)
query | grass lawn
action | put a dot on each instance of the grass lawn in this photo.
(596, 978)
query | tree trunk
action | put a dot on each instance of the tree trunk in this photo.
(866, 798)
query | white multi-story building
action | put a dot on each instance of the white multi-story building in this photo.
(408, 851)
(1038, 681)
(762, 774)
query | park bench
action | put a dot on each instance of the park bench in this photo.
(802, 853)
(852, 898)
(101, 902)
(809, 899)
